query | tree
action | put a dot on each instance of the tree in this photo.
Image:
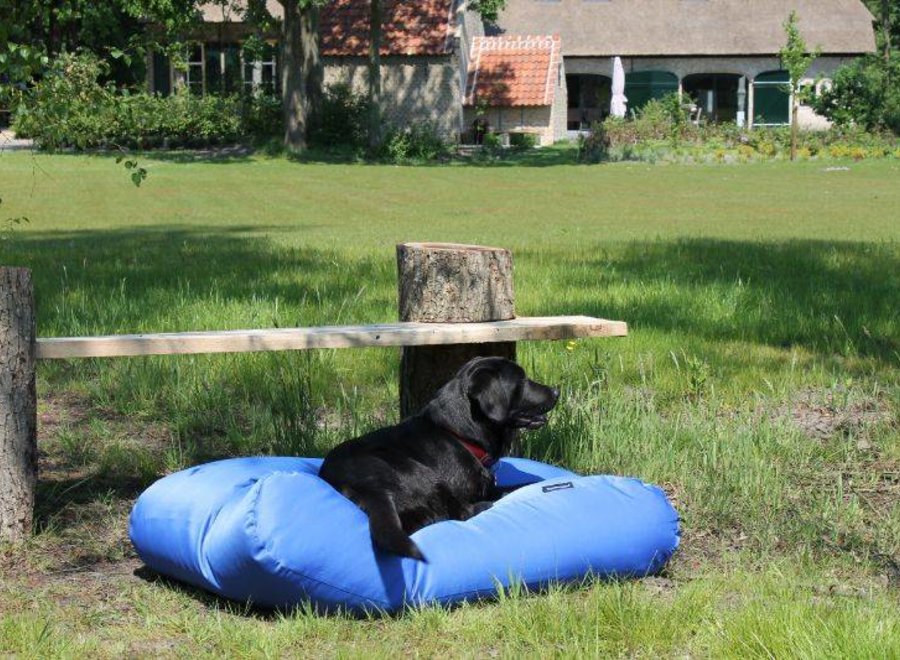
(887, 17)
(864, 93)
(301, 69)
(34, 31)
(796, 60)
(301, 62)
(374, 120)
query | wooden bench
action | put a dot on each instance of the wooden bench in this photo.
(456, 302)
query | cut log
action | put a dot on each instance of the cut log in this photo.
(18, 404)
(449, 283)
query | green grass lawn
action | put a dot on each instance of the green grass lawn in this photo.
(760, 385)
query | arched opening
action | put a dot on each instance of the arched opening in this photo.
(717, 95)
(771, 99)
(642, 86)
(589, 97)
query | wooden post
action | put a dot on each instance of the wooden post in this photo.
(18, 404)
(449, 283)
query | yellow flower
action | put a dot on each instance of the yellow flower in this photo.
(570, 345)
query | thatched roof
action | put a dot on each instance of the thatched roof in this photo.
(690, 27)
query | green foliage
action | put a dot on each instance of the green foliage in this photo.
(522, 141)
(866, 93)
(32, 33)
(659, 119)
(796, 59)
(342, 119)
(489, 10)
(416, 142)
(342, 124)
(649, 138)
(795, 55)
(9, 225)
(594, 147)
(887, 16)
(69, 108)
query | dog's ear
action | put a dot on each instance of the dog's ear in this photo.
(490, 393)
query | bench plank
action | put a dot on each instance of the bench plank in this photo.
(350, 336)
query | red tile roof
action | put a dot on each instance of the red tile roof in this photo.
(422, 27)
(513, 70)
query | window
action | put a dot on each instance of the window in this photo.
(261, 75)
(223, 68)
(194, 78)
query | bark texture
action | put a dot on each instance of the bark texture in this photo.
(374, 119)
(448, 283)
(18, 407)
(301, 70)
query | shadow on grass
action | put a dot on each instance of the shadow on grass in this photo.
(562, 154)
(829, 297)
(208, 599)
(133, 280)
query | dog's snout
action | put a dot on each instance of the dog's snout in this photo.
(555, 392)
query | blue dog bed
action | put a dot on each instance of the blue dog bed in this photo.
(269, 531)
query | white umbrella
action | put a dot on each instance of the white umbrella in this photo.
(617, 105)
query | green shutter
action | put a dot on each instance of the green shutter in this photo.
(771, 99)
(162, 84)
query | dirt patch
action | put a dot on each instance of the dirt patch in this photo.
(822, 414)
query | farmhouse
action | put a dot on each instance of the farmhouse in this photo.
(545, 66)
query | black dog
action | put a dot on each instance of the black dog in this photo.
(434, 466)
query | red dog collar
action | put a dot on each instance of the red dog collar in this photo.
(483, 457)
(478, 452)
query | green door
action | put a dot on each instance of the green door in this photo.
(642, 86)
(771, 99)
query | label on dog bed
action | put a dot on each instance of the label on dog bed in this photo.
(561, 486)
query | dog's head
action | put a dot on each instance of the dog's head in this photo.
(500, 394)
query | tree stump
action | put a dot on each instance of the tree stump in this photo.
(18, 404)
(449, 283)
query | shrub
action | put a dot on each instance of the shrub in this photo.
(523, 141)
(595, 146)
(655, 135)
(262, 114)
(860, 94)
(416, 142)
(68, 108)
(342, 120)
(746, 152)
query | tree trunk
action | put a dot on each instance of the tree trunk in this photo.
(794, 110)
(18, 408)
(441, 282)
(375, 20)
(301, 70)
(886, 29)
